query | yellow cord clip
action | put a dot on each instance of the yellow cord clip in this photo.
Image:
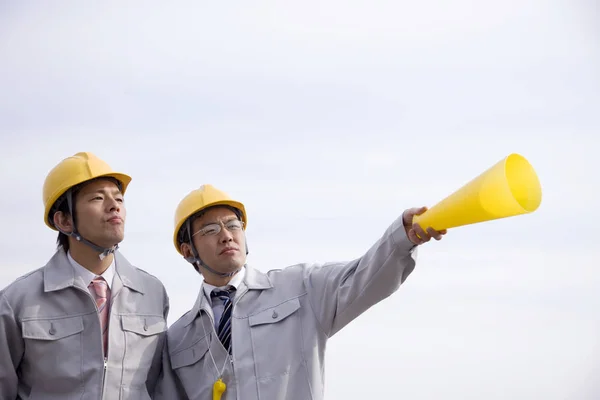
(218, 389)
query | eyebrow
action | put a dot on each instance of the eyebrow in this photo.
(225, 220)
(104, 191)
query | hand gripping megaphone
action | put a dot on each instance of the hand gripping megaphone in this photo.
(508, 188)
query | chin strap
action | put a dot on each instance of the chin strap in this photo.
(103, 251)
(197, 261)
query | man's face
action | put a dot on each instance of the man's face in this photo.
(225, 251)
(100, 213)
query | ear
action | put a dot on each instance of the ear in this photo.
(63, 221)
(186, 249)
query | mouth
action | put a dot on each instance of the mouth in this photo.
(228, 250)
(115, 220)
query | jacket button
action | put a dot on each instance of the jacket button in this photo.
(274, 314)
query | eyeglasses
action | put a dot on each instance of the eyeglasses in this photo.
(215, 228)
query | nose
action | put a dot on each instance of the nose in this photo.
(226, 236)
(114, 205)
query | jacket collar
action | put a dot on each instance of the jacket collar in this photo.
(59, 273)
(254, 280)
(130, 275)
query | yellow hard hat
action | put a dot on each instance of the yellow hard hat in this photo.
(199, 199)
(72, 171)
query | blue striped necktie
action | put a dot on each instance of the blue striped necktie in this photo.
(224, 328)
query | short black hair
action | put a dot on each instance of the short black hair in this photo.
(63, 206)
(62, 241)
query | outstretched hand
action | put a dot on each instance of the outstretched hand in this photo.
(416, 234)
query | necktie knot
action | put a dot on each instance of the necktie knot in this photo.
(223, 294)
(100, 286)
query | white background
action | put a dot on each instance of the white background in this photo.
(328, 119)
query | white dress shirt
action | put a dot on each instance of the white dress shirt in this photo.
(88, 276)
(218, 307)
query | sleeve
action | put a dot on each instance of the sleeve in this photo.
(11, 350)
(340, 292)
(168, 386)
(156, 367)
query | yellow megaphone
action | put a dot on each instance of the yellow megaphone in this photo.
(508, 188)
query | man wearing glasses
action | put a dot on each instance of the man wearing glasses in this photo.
(253, 335)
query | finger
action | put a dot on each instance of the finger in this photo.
(408, 215)
(422, 234)
(433, 233)
(420, 210)
(412, 236)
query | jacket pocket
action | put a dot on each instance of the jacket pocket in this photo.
(52, 329)
(275, 314)
(142, 335)
(189, 356)
(143, 325)
(276, 334)
(53, 348)
(194, 369)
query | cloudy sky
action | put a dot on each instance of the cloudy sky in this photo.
(328, 119)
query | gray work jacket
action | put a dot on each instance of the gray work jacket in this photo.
(280, 326)
(50, 336)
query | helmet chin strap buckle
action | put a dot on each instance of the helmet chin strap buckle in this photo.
(106, 252)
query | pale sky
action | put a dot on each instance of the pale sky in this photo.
(328, 119)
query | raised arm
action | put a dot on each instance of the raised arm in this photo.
(340, 292)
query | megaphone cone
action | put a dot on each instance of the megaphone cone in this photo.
(510, 187)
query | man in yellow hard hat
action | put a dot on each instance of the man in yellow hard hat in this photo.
(87, 325)
(253, 335)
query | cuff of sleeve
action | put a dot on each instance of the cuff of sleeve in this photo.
(400, 238)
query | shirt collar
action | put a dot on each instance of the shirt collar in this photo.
(235, 282)
(88, 275)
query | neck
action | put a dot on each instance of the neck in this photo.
(89, 258)
(216, 280)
